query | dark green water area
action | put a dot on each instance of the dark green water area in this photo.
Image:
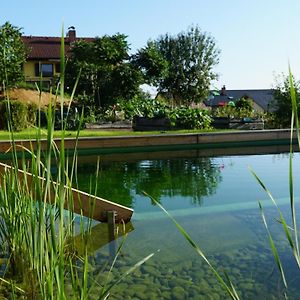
(215, 199)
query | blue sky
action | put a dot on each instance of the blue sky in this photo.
(257, 38)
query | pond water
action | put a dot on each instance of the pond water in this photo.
(215, 199)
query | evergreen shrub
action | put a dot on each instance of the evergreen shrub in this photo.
(21, 115)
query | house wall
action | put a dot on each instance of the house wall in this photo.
(257, 107)
(29, 69)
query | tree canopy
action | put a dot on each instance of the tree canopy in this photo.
(12, 55)
(180, 65)
(282, 104)
(106, 74)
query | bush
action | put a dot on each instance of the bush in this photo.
(71, 119)
(17, 116)
(144, 107)
(245, 104)
(234, 112)
(32, 110)
(185, 117)
(21, 115)
(281, 105)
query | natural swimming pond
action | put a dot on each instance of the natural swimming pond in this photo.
(215, 199)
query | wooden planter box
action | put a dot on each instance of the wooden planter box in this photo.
(246, 124)
(243, 123)
(220, 122)
(119, 125)
(151, 124)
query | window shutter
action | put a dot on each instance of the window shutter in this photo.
(37, 69)
(57, 67)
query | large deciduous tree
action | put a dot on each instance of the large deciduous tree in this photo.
(106, 74)
(12, 55)
(282, 104)
(181, 65)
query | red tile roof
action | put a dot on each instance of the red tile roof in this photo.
(43, 47)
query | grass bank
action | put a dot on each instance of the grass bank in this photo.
(31, 133)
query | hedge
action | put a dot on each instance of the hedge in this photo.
(21, 115)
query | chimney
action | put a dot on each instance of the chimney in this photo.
(223, 91)
(71, 34)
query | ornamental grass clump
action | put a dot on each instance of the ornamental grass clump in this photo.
(290, 230)
(41, 259)
(36, 231)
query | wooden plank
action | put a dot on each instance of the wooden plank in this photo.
(158, 140)
(100, 237)
(83, 203)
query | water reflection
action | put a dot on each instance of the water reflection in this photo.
(121, 181)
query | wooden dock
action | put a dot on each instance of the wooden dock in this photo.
(83, 203)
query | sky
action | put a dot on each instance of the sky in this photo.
(258, 39)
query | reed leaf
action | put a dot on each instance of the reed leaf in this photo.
(229, 288)
(291, 184)
(273, 247)
(282, 220)
(105, 293)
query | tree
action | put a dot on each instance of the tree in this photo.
(152, 63)
(181, 65)
(106, 74)
(244, 103)
(282, 104)
(12, 55)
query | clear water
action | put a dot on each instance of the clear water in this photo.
(215, 199)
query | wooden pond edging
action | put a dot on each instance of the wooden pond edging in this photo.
(206, 140)
(83, 203)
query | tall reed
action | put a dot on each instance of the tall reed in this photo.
(36, 236)
(290, 231)
(36, 232)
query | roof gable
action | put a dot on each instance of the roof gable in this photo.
(43, 47)
(262, 97)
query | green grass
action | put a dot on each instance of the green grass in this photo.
(31, 133)
(36, 237)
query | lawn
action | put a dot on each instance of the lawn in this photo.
(31, 133)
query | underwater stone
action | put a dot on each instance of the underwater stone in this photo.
(178, 293)
(166, 271)
(199, 274)
(140, 287)
(120, 287)
(153, 296)
(187, 267)
(166, 295)
(123, 270)
(150, 270)
(179, 282)
(141, 295)
(201, 297)
(246, 286)
(215, 296)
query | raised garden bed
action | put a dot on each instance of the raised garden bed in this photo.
(118, 125)
(242, 123)
(151, 124)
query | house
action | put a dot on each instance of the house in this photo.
(262, 98)
(44, 55)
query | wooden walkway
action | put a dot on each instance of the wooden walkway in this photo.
(83, 203)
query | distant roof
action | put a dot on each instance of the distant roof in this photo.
(44, 47)
(263, 97)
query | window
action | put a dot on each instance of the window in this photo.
(46, 70)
